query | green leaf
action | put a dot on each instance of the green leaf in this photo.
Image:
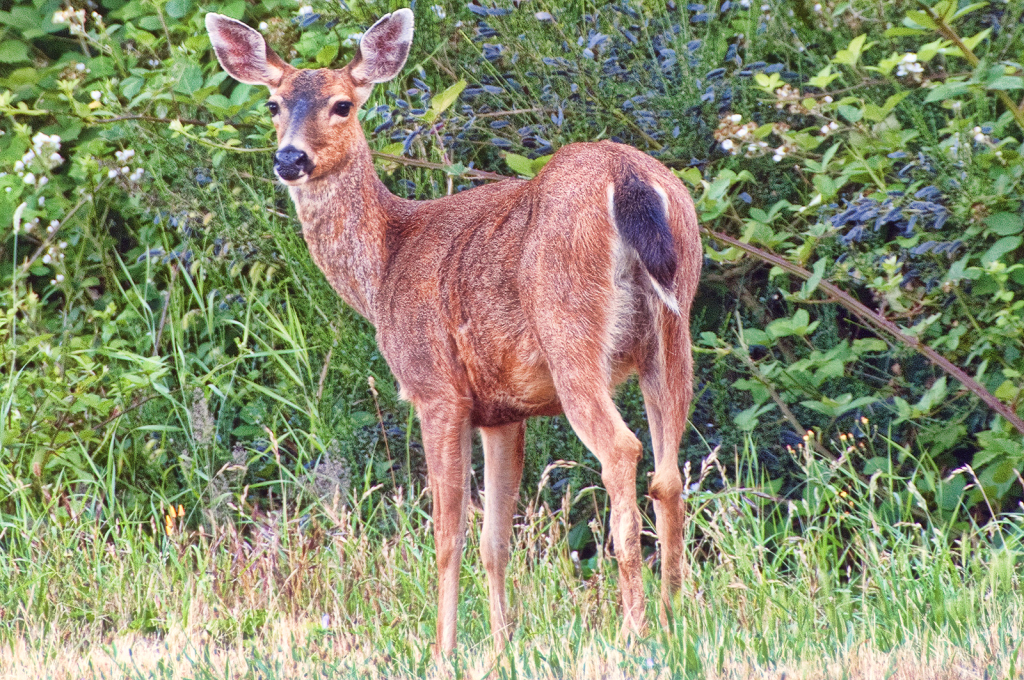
(13, 52)
(901, 32)
(823, 79)
(190, 78)
(973, 41)
(839, 406)
(755, 336)
(852, 53)
(521, 165)
(177, 9)
(916, 19)
(747, 419)
(861, 345)
(537, 164)
(1005, 245)
(933, 397)
(1005, 223)
(441, 102)
(691, 176)
(970, 8)
(851, 113)
(947, 91)
(327, 54)
(1006, 83)
(811, 284)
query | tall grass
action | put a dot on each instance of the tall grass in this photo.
(851, 580)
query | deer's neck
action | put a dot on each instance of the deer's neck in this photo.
(345, 219)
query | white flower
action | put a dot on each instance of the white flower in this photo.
(264, 25)
(19, 166)
(57, 279)
(777, 157)
(111, 174)
(727, 145)
(305, 9)
(735, 118)
(827, 99)
(96, 95)
(908, 64)
(817, 7)
(439, 11)
(125, 170)
(79, 66)
(42, 199)
(47, 259)
(833, 126)
(30, 178)
(53, 226)
(63, 245)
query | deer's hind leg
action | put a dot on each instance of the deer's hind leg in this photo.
(581, 374)
(666, 379)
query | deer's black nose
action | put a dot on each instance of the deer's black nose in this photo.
(291, 163)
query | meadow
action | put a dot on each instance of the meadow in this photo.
(205, 468)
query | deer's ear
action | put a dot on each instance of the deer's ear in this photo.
(243, 52)
(383, 50)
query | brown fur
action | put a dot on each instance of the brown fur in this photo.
(493, 305)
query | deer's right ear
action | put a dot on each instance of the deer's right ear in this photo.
(243, 52)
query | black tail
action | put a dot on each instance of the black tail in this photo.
(642, 223)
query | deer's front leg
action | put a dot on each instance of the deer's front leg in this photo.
(446, 443)
(503, 470)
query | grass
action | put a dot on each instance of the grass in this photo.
(848, 582)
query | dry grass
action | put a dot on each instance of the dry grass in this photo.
(296, 648)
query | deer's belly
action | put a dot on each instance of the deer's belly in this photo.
(510, 387)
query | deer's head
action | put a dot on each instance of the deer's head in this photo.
(314, 111)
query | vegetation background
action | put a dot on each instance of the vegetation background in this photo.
(205, 468)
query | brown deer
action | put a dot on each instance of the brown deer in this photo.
(516, 299)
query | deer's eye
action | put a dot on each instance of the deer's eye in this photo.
(341, 108)
(273, 108)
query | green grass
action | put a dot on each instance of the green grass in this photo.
(849, 581)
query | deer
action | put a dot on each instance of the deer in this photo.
(502, 302)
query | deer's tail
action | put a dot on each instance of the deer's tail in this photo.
(641, 218)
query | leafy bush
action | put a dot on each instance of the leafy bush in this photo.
(166, 336)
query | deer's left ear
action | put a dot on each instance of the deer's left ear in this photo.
(243, 52)
(382, 51)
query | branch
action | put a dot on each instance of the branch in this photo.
(415, 162)
(869, 316)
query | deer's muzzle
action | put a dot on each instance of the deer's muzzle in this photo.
(290, 163)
